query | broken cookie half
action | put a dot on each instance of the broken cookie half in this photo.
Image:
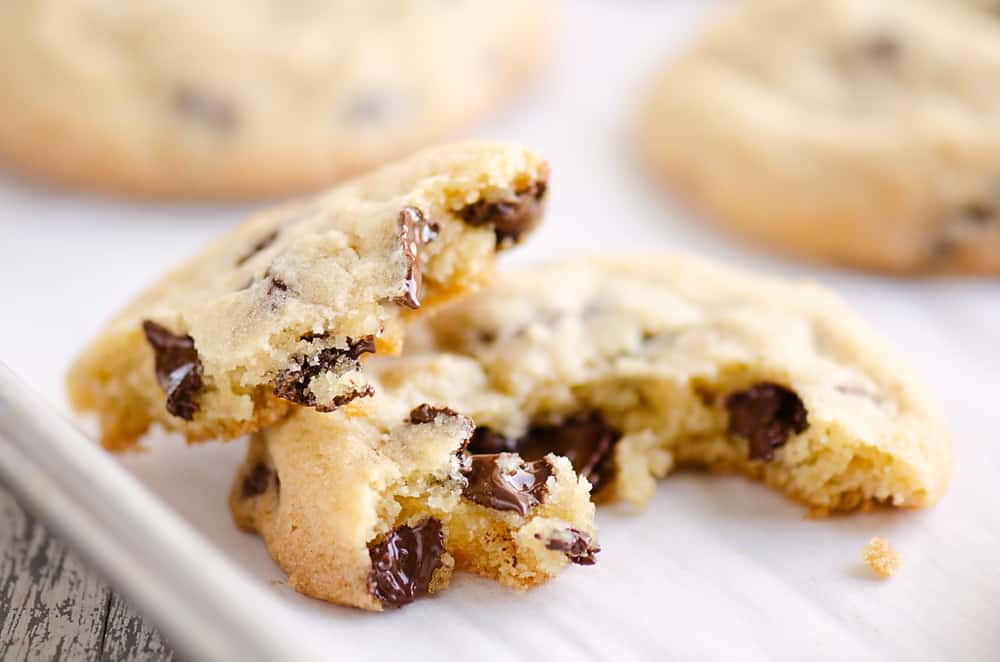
(632, 366)
(376, 504)
(282, 309)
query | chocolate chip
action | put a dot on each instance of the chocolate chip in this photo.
(414, 232)
(766, 415)
(257, 481)
(293, 384)
(962, 226)
(977, 213)
(178, 368)
(426, 413)
(882, 47)
(505, 482)
(705, 395)
(485, 441)
(275, 285)
(511, 216)
(261, 244)
(584, 438)
(404, 561)
(211, 111)
(380, 107)
(576, 544)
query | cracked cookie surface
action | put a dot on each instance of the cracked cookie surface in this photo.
(861, 133)
(632, 366)
(283, 309)
(376, 504)
(231, 98)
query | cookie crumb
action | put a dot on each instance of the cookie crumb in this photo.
(881, 557)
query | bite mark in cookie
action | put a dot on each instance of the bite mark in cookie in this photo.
(766, 415)
(505, 482)
(511, 215)
(584, 438)
(404, 561)
(414, 231)
(575, 544)
(293, 383)
(178, 368)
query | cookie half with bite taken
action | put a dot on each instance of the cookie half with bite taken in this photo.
(375, 505)
(283, 308)
(632, 366)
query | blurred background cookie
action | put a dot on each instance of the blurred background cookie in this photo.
(863, 133)
(194, 99)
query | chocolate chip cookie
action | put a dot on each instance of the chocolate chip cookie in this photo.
(856, 132)
(632, 366)
(282, 309)
(377, 503)
(229, 98)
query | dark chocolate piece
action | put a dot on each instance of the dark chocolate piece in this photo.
(505, 482)
(404, 561)
(577, 545)
(584, 438)
(512, 216)
(426, 413)
(414, 232)
(293, 383)
(766, 415)
(178, 368)
(211, 111)
(257, 481)
(263, 243)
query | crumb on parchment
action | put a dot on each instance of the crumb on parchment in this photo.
(881, 557)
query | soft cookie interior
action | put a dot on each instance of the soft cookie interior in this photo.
(633, 367)
(374, 506)
(287, 306)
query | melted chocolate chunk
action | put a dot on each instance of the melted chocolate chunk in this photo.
(211, 111)
(414, 232)
(765, 415)
(178, 368)
(504, 482)
(585, 439)
(576, 544)
(293, 383)
(426, 413)
(512, 216)
(257, 481)
(263, 243)
(404, 561)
